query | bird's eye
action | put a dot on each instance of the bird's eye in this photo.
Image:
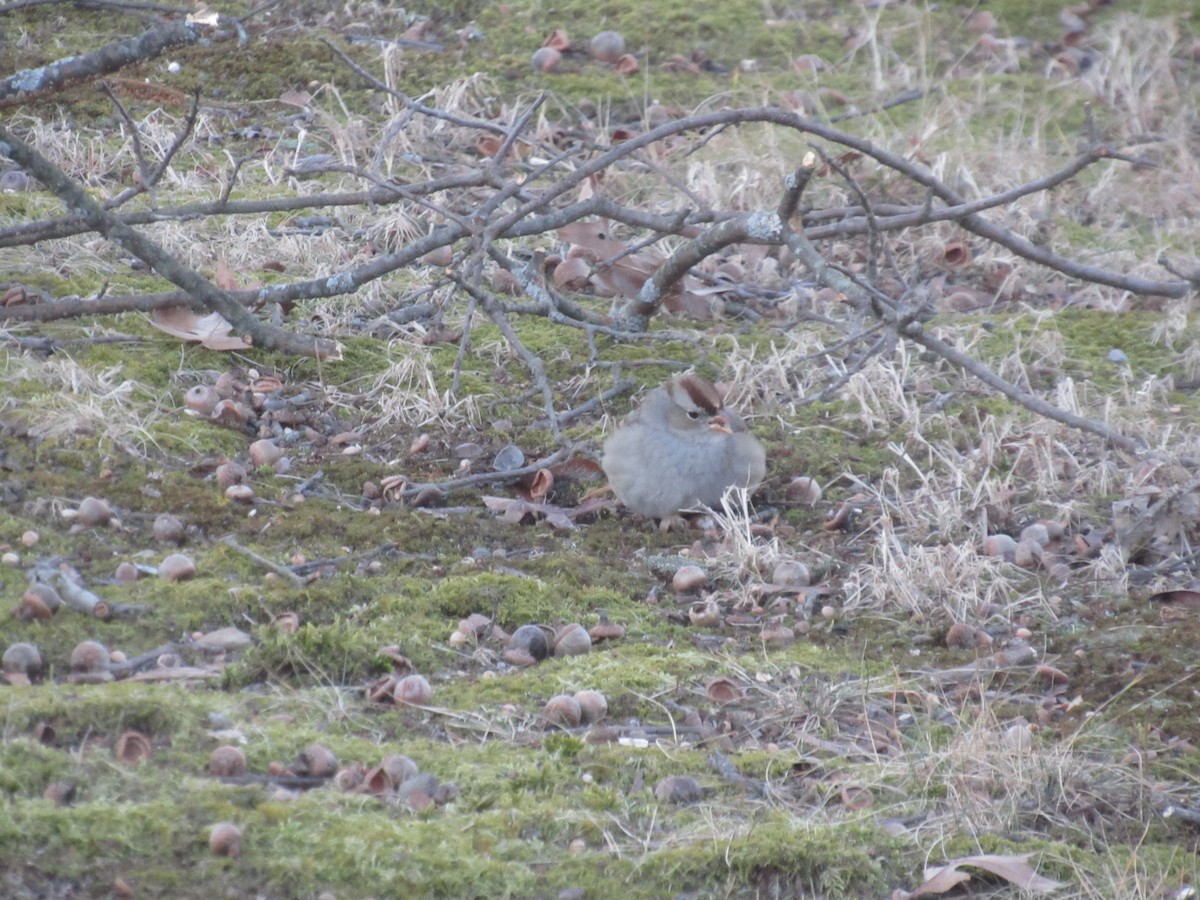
(693, 413)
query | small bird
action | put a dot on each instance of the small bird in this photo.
(679, 449)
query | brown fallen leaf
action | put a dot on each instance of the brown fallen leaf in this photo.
(211, 331)
(1182, 598)
(625, 274)
(514, 510)
(1014, 869)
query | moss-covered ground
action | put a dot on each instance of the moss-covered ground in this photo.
(854, 765)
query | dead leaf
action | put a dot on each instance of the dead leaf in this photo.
(1182, 598)
(578, 468)
(211, 331)
(514, 510)
(557, 40)
(573, 272)
(1014, 869)
(295, 97)
(509, 509)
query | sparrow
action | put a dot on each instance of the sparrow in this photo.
(679, 449)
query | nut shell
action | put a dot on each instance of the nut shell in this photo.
(562, 711)
(227, 762)
(225, 839)
(90, 656)
(572, 640)
(531, 639)
(413, 690)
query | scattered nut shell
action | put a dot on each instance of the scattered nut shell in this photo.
(230, 473)
(202, 399)
(316, 761)
(168, 529)
(705, 614)
(93, 511)
(593, 706)
(678, 789)
(531, 639)
(722, 689)
(226, 762)
(177, 567)
(225, 839)
(804, 490)
(546, 59)
(264, 453)
(90, 656)
(572, 640)
(231, 414)
(126, 572)
(608, 46)
(413, 690)
(791, 573)
(132, 748)
(689, 578)
(23, 659)
(561, 711)
(1001, 545)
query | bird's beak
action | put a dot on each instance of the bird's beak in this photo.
(719, 424)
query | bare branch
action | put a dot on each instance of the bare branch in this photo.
(74, 196)
(29, 83)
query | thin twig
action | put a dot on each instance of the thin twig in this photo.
(231, 542)
(478, 478)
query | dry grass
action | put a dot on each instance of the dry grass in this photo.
(945, 465)
(76, 402)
